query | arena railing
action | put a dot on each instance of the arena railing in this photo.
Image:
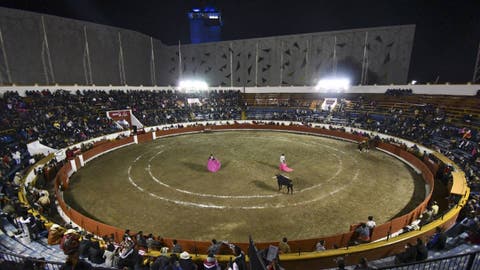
(467, 261)
(302, 256)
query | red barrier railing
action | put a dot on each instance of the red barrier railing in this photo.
(303, 245)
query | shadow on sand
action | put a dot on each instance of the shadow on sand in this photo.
(417, 196)
(202, 167)
(225, 164)
(263, 185)
(267, 164)
(196, 167)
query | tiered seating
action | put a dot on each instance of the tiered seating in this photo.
(169, 107)
(36, 249)
(455, 107)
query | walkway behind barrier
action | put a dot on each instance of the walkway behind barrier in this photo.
(21, 260)
(468, 261)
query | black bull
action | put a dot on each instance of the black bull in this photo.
(284, 181)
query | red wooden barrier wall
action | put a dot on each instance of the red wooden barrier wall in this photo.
(303, 245)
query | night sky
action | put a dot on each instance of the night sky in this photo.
(446, 38)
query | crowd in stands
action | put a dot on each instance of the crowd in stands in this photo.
(59, 119)
(398, 92)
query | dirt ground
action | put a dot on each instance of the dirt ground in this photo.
(163, 187)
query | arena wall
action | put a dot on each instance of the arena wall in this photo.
(434, 89)
(381, 246)
(299, 59)
(65, 60)
(51, 50)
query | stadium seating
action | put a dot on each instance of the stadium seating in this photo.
(59, 119)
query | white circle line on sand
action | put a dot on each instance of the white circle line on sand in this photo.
(200, 205)
(209, 195)
(339, 170)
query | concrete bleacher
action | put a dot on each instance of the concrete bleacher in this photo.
(11, 241)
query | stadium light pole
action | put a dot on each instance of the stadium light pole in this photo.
(476, 71)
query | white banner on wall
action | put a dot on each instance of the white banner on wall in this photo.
(36, 148)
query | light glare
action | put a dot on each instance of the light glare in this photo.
(333, 84)
(192, 85)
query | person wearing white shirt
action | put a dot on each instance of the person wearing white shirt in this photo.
(283, 159)
(435, 208)
(371, 223)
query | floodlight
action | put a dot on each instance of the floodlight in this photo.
(192, 85)
(414, 82)
(333, 84)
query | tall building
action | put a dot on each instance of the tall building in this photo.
(205, 25)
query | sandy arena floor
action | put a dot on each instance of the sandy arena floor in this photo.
(163, 187)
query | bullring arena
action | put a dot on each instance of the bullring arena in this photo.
(122, 152)
(167, 180)
(156, 187)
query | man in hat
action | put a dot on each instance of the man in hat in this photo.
(186, 262)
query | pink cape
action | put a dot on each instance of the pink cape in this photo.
(213, 165)
(285, 168)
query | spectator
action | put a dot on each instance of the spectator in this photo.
(371, 223)
(173, 263)
(108, 255)
(38, 227)
(283, 246)
(214, 248)
(176, 248)
(70, 244)
(141, 241)
(160, 262)
(438, 240)
(84, 247)
(211, 263)
(55, 234)
(363, 264)
(422, 251)
(427, 216)
(158, 243)
(186, 262)
(150, 241)
(239, 263)
(127, 254)
(435, 208)
(363, 233)
(408, 256)
(320, 246)
(95, 253)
